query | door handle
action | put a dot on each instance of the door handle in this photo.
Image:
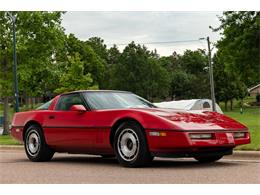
(51, 117)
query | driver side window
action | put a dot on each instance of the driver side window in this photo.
(66, 101)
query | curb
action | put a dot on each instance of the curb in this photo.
(246, 154)
(11, 146)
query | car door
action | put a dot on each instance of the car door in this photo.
(68, 130)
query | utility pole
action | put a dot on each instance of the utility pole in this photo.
(16, 94)
(211, 78)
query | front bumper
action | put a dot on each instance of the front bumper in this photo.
(174, 142)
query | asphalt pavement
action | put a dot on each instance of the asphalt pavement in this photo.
(67, 168)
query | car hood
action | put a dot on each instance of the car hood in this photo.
(196, 119)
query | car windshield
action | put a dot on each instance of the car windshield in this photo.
(45, 106)
(115, 100)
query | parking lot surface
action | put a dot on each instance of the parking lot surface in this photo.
(67, 168)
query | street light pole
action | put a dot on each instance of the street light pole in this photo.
(211, 77)
(16, 94)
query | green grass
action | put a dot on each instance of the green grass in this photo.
(250, 118)
(8, 140)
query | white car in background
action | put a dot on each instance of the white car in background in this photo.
(193, 104)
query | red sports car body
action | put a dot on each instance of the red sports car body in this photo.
(125, 125)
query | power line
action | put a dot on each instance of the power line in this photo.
(157, 42)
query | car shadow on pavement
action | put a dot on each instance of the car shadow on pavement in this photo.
(85, 160)
(187, 163)
(157, 163)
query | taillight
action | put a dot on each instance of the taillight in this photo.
(239, 135)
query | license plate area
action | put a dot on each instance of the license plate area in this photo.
(225, 138)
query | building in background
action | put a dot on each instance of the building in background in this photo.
(254, 90)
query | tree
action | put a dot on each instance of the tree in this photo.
(177, 76)
(188, 73)
(181, 85)
(98, 46)
(195, 63)
(38, 35)
(228, 85)
(158, 81)
(92, 62)
(239, 44)
(113, 55)
(75, 77)
(39, 38)
(5, 65)
(112, 62)
(237, 60)
(138, 70)
(170, 63)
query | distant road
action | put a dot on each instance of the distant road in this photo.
(64, 168)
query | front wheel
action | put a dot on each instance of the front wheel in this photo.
(130, 145)
(208, 159)
(35, 146)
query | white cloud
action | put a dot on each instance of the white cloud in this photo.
(143, 27)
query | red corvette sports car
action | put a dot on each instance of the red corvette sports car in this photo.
(122, 124)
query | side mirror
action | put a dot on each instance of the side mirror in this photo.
(79, 108)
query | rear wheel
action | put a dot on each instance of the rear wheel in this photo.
(35, 146)
(208, 159)
(130, 145)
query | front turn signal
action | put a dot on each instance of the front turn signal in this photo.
(157, 133)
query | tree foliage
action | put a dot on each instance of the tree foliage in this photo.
(75, 77)
(5, 55)
(236, 63)
(239, 45)
(93, 64)
(188, 73)
(138, 70)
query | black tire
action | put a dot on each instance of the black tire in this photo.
(208, 159)
(35, 146)
(130, 145)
